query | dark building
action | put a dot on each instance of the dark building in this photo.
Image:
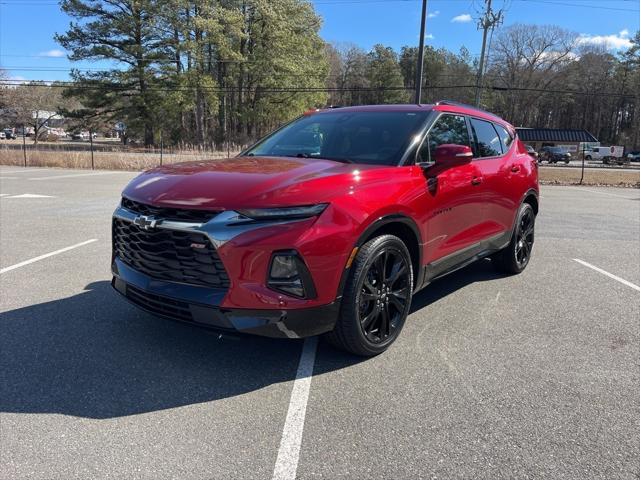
(573, 139)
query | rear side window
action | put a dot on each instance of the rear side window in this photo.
(487, 140)
(448, 129)
(505, 138)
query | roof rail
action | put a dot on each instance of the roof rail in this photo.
(463, 105)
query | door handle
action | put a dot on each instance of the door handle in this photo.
(515, 168)
(476, 181)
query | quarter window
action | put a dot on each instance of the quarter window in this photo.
(505, 138)
(487, 139)
(448, 129)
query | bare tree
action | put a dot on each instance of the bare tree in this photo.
(34, 105)
(530, 58)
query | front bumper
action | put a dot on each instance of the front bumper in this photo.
(200, 306)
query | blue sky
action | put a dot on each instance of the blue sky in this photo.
(28, 51)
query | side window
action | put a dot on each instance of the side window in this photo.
(505, 137)
(487, 140)
(448, 129)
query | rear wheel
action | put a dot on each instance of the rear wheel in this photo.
(515, 257)
(376, 298)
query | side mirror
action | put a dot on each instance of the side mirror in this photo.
(451, 154)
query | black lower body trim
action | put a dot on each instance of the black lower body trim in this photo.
(295, 323)
(458, 260)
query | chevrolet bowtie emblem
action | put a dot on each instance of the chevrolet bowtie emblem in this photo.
(145, 222)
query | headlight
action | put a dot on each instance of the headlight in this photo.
(304, 211)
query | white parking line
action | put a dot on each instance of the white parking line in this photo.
(610, 275)
(55, 177)
(22, 170)
(46, 255)
(289, 451)
(604, 193)
(29, 195)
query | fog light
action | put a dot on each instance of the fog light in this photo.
(289, 274)
(283, 267)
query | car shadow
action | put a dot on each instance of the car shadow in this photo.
(480, 271)
(93, 355)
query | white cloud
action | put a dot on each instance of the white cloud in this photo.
(433, 14)
(614, 41)
(55, 53)
(464, 18)
(429, 36)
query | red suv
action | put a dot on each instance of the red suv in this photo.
(330, 224)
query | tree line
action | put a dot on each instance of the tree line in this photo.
(206, 72)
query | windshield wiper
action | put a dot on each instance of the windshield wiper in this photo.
(309, 155)
(341, 160)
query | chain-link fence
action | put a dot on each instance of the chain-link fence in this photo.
(112, 154)
(103, 153)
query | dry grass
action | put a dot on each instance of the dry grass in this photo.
(102, 160)
(600, 176)
(140, 161)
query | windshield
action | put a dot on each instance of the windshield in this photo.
(378, 138)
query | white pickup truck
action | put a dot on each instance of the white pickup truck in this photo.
(613, 155)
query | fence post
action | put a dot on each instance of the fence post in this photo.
(582, 174)
(91, 143)
(24, 145)
(161, 147)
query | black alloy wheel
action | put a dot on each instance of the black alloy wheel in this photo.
(516, 256)
(524, 238)
(376, 298)
(383, 297)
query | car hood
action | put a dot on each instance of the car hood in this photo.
(243, 182)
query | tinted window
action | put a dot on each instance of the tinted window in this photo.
(505, 138)
(487, 140)
(379, 138)
(448, 129)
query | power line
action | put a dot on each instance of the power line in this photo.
(13, 83)
(352, 2)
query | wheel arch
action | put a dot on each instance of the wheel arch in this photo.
(531, 197)
(401, 226)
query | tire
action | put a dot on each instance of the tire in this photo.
(371, 318)
(588, 157)
(566, 162)
(515, 257)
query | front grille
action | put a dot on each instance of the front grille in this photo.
(173, 214)
(169, 255)
(159, 305)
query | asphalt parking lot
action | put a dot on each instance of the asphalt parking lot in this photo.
(530, 376)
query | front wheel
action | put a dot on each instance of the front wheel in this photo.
(515, 257)
(376, 298)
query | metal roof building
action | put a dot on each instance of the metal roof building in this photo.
(542, 137)
(564, 135)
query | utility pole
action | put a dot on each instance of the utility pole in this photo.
(487, 23)
(419, 66)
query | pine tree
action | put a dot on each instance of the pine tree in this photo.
(124, 31)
